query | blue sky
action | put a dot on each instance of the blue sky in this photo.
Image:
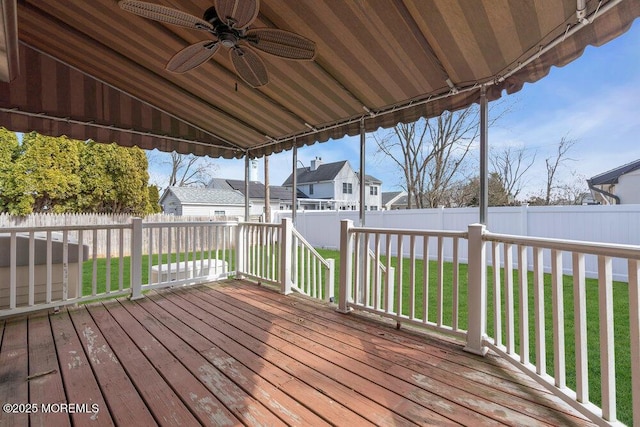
(595, 100)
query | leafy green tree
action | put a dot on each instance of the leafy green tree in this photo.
(114, 180)
(46, 174)
(48, 168)
(154, 199)
(12, 186)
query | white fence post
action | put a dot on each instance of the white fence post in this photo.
(477, 291)
(136, 258)
(286, 255)
(346, 265)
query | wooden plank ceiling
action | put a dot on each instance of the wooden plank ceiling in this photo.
(88, 69)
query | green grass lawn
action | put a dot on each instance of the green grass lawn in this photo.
(621, 314)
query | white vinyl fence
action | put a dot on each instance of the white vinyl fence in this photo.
(619, 224)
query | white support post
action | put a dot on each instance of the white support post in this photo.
(286, 255)
(136, 258)
(346, 265)
(241, 244)
(477, 292)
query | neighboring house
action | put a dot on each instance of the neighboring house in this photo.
(280, 197)
(617, 186)
(392, 200)
(334, 186)
(192, 201)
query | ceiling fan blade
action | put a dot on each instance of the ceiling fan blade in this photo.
(241, 13)
(281, 43)
(164, 14)
(192, 56)
(249, 66)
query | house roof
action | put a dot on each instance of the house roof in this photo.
(324, 172)
(369, 179)
(398, 60)
(612, 176)
(396, 197)
(206, 196)
(256, 189)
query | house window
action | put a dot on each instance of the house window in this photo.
(374, 208)
(373, 190)
(219, 213)
(347, 188)
(310, 189)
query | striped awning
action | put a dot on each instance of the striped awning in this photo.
(88, 69)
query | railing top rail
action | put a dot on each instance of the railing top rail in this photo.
(311, 248)
(57, 228)
(595, 248)
(186, 223)
(410, 232)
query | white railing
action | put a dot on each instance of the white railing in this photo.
(578, 314)
(180, 253)
(50, 267)
(311, 274)
(421, 293)
(556, 327)
(47, 267)
(277, 254)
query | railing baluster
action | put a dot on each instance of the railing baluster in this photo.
(32, 268)
(523, 304)
(558, 319)
(79, 286)
(94, 272)
(607, 349)
(108, 261)
(412, 277)
(12, 269)
(49, 283)
(388, 288)
(580, 319)
(366, 273)
(455, 286)
(377, 279)
(497, 295)
(539, 309)
(508, 298)
(357, 279)
(440, 290)
(65, 265)
(121, 260)
(425, 278)
(399, 253)
(634, 331)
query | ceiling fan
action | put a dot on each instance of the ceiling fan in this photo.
(228, 21)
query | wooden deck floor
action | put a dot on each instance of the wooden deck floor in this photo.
(238, 354)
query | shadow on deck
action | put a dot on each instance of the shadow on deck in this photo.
(234, 353)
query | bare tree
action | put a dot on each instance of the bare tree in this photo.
(510, 166)
(431, 153)
(554, 162)
(184, 170)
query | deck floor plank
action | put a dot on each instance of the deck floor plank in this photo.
(80, 384)
(189, 372)
(311, 396)
(45, 379)
(463, 406)
(161, 400)
(374, 396)
(387, 373)
(350, 342)
(288, 409)
(14, 369)
(233, 353)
